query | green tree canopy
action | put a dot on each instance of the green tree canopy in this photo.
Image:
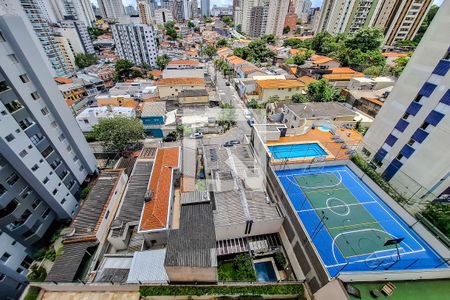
(119, 133)
(162, 61)
(426, 22)
(191, 24)
(95, 32)
(227, 20)
(83, 60)
(286, 29)
(222, 43)
(400, 64)
(439, 215)
(300, 98)
(210, 51)
(123, 68)
(257, 52)
(269, 39)
(365, 39)
(322, 91)
(300, 58)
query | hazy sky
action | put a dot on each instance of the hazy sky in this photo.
(316, 3)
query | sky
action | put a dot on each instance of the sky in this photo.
(315, 3)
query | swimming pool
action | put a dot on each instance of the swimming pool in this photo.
(323, 128)
(265, 272)
(297, 150)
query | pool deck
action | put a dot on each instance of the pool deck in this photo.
(351, 138)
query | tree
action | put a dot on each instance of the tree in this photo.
(95, 32)
(294, 43)
(83, 60)
(365, 39)
(254, 104)
(222, 43)
(322, 91)
(170, 30)
(269, 39)
(300, 58)
(227, 20)
(256, 52)
(208, 19)
(210, 51)
(359, 60)
(123, 68)
(319, 39)
(299, 98)
(439, 215)
(376, 71)
(426, 22)
(286, 29)
(162, 61)
(400, 64)
(119, 133)
(191, 24)
(406, 44)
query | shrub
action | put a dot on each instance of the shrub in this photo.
(37, 274)
(85, 192)
(256, 290)
(439, 216)
(280, 260)
(50, 254)
(33, 293)
(240, 269)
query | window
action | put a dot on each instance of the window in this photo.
(424, 125)
(3, 112)
(5, 257)
(365, 151)
(75, 158)
(44, 111)
(69, 148)
(400, 156)
(63, 201)
(19, 222)
(25, 192)
(34, 168)
(13, 106)
(61, 137)
(24, 78)
(32, 230)
(36, 203)
(23, 153)
(46, 213)
(2, 37)
(107, 215)
(35, 96)
(54, 124)
(36, 138)
(46, 152)
(55, 191)
(12, 179)
(13, 58)
(411, 142)
(2, 277)
(9, 137)
(19, 270)
(405, 116)
(2, 190)
(45, 180)
(5, 211)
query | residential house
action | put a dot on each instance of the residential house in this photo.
(224, 52)
(93, 115)
(184, 64)
(170, 87)
(249, 71)
(234, 62)
(317, 64)
(340, 77)
(116, 100)
(283, 89)
(153, 117)
(156, 213)
(183, 73)
(391, 57)
(72, 92)
(191, 97)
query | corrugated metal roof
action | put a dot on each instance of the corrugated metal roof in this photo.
(194, 244)
(148, 267)
(194, 197)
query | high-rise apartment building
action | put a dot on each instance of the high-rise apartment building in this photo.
(298, 7)
(400, 19)
(66, 50)
(194, 8)
(408, 142)
(145, 13)
(30, 10)
(178, 10)
(237, 12)
(260, 17)
(167, 4)
(111, 9)
(44, 156)
(136, 43)
(163, 15)
(77, 35)
(205, 8)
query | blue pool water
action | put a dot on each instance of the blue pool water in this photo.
(297, 150)
(323, 128)
(265, 272)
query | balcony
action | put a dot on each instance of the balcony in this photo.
(4, 86)
(13, 106)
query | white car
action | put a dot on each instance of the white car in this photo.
(247, 114)
(196, 135)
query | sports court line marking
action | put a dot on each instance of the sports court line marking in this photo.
(379, 204)
(327, 207)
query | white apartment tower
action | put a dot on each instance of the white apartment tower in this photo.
(77, 35)
(408, 142)
(44, 156)
(205, 8)
(145, 13)
(111, 9)
(136, 43)
(260, 17)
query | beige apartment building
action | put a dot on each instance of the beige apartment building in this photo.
(284, 89)
(171, 87)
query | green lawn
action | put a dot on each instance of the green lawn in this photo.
(409, 290)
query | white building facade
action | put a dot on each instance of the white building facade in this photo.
(408, 142)
(136, 43)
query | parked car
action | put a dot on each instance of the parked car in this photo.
(231, 143)
(247, 114)
(251, 122)
(170, 138)
(196, 135)
(227, 83)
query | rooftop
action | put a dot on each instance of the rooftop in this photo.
(181, 81)
(306, 80)
(194, 243)
(106, 111)
(193, 93)
(274, 84)
(394, 54)
(184, 62)
(62, 80)
(155, 212)
(320, 110)
(235, 60)
(342, 74)
(319, 59)
(152, 109)
(148, 267)
(88, 219)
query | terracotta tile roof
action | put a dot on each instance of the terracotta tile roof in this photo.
(342, 70)
(294, 51)
(184, 62)
(274, 84)
(235, 60)
(248, 68)
(342, 77)
(131, 103)
(155, 212)
(306, 80)
(63, 80)
(155, 73)
(293, 70)
(394, 54)
(375, 101)
(181, 81)
(319, 59)
(70, 102)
